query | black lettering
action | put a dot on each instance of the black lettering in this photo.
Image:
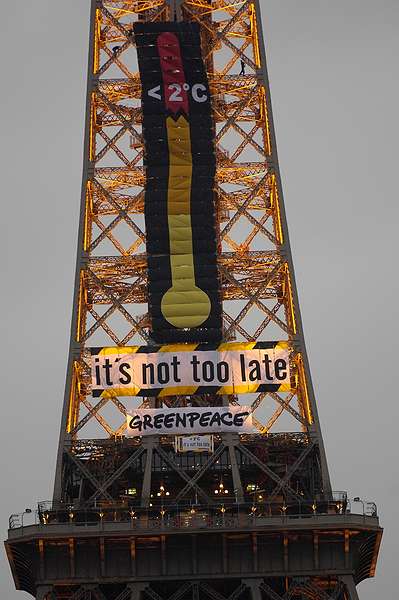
(208, 371)
(175, 364)
(147, 424)
(168, 421)
(97, 372)
(222, 369)
(181, 419)
(149, 367)
(204, 419)
(163, 377)
(239, 418)
(242, 366)
(135, 422)
(123, 367)
(254, 374)
(158, 421)
(280, 368)
(107, 366)
(215, 419)
(267, 362)
(195, 362)
(227, 418)
(192, 417)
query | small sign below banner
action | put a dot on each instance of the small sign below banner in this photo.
(229, 368)
(194, 443)
(189, 420)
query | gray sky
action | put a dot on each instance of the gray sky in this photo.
(333, 72)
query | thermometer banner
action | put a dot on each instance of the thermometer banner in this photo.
(186, 369)
(180, 164)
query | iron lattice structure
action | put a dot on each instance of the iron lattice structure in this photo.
(255, 266)
(143, 502)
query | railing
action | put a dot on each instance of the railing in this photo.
(182, 516)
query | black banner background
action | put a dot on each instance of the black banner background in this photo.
(156, 112)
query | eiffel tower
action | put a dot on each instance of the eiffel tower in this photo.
(228, 515)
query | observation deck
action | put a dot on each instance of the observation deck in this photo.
(186, 541)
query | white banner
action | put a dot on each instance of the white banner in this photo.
(194, 443)
(176, 421)
(232, 368)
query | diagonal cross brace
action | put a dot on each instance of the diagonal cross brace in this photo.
(107, 313)
(244, 205)
(181, 591)
(311, 589)
(271, 594)
(285, 404)
(92, 412)
(182, 474)
(116, 304)
(215, 595)
(87, 473)
(103, 486)
(97, 594)
(121, 211)
(200, 473)
(268, 471)
(237, 592)
(253, 299)
(126, 594)
(210, 591)
(152, 594)
(284, 481)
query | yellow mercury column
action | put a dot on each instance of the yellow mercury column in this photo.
(183, 304)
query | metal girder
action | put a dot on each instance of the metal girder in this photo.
(101, 489)
(230, 441)
(152, 594)
(184, 476)
(282, 484)
(45, 593)
(311, 590)
(305, 586)
(97, 594)
(192, 482)
(149, 444)
(215, 595)
(350, 587)
(83, 593)
(87, 474)
(179, 593)
(126, 594)
(270, 593)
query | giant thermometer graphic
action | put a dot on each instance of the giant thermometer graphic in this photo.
(180, 166)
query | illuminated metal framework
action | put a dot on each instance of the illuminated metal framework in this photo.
(255, 268)
(101, 473)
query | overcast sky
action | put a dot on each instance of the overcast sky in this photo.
(333, 68)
